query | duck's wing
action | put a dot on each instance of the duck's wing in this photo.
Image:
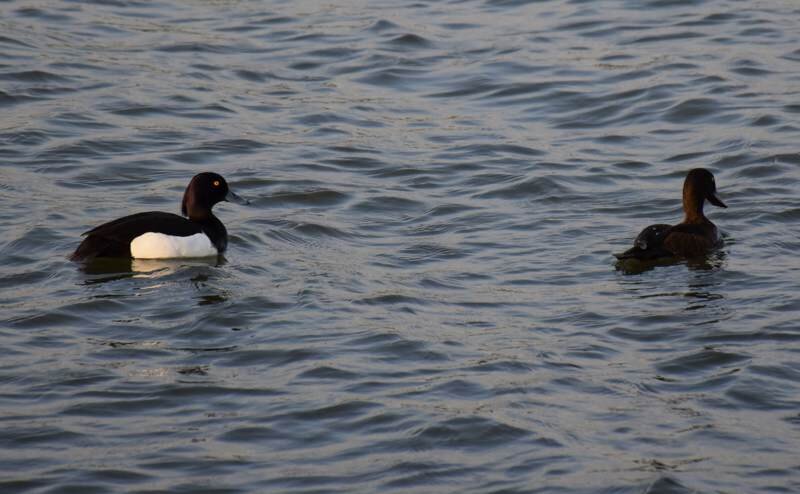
(690, 240)
(649, 244)
(113, 239)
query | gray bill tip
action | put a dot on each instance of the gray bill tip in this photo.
(235, 198)
(714, 199)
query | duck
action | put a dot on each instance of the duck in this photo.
(160, 235)
(695, 236)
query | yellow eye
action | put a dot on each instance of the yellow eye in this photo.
(216, 183)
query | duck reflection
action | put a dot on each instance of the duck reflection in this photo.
(713, 261)
(703, 285)
(701, 289)
(103, 270)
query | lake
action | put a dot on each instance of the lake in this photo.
(421, 296)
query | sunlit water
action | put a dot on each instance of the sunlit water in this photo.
(421, 296)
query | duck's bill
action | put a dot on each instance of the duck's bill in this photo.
(639, 254)
(233, 197)
(628, 254)
(714, 199)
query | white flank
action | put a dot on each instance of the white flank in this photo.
(160, 246)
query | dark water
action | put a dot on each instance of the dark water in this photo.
(421, 296)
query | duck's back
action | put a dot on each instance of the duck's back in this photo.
(681, 240)
(692, 239)
(113, 239)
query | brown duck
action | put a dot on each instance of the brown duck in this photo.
(694, 236)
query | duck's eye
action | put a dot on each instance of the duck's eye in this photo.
(216, 183)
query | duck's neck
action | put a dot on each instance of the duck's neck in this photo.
(211, 225)
(693, 205)
(199, 215)
(195, 211)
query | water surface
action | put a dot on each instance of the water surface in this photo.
(421, 296)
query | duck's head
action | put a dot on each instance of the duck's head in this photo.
(205, 190)
(699, 186)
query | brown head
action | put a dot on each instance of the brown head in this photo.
(699, 186)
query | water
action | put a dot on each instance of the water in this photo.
(421, 296)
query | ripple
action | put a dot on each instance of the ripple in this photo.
(388, 204)
(328, 372)
(405, 79)
(411, 474)
(248, 434)
(8, 99)
(390, 299)
(11, 41)
(312, 198)
(41, 14)
(272, 357)
(38, 436)
(198, 47)
(701, 362)
(693, 110)
(36, 76)
(464, 433)
(422, 253)
(536, 187)
(681, 35)
(759, 394)
(392, 347)
(408, 41)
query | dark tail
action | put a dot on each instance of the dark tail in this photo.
(94, 246)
